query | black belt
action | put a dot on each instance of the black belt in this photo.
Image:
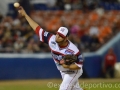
(68, 71)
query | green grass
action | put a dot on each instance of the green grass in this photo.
(87, 84)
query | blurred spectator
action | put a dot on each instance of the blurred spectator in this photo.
(75, 30)
(94, 30)
(18, 45)
(77, 4)
(67, 4)
(92, 4)
(108, 63)
(94, 43)
(111, 1)
(1, 17)
(60, 4)
(89, 30)
(51, 3)
(85, 41)
(100, 11)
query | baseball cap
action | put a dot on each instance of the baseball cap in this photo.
(63, 32)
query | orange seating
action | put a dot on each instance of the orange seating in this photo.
(53, 20)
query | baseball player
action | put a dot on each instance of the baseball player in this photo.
(60, 46)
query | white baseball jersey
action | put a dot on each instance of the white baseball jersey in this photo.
(58, 52)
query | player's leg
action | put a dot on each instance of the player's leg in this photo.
(62, 74)
(70, 80)
(77, 86)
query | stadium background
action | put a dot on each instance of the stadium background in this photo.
(94, 27)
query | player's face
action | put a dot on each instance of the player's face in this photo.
(59, 39)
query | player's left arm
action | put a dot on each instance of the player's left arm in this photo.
(71, 67)
(74, 67)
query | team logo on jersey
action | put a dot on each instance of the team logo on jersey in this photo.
(69, 51)
(57, 57)
(45, 33)
(53, 45)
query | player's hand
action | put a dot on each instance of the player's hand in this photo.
(21, 11)
(62, 62)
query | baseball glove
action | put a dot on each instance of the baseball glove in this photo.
(69, 59)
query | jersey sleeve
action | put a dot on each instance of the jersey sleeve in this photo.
(79, 61)
(43, 35)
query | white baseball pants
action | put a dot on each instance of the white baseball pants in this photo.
(70, 81)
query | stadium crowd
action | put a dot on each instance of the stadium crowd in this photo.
(89, 30)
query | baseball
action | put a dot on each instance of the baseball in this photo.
(16, 5)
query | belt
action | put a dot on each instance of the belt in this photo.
(69, 71)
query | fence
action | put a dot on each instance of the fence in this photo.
(37, 66)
